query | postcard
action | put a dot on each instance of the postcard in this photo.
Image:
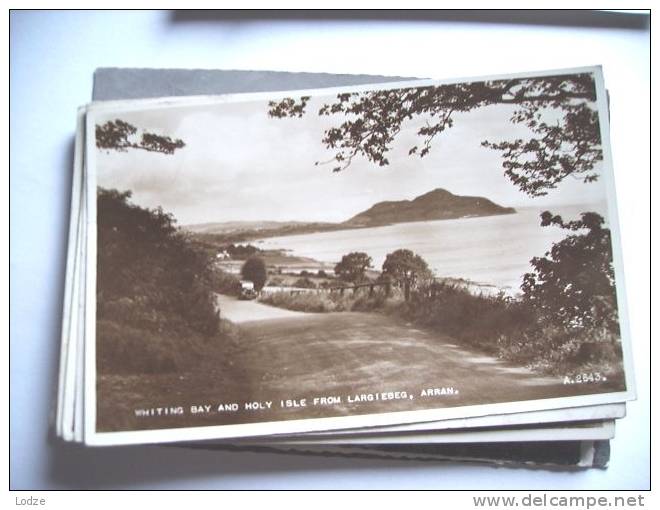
(279, 263)
(583, 421)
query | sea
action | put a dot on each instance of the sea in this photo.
(488, 251)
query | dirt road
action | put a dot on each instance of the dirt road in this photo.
(239, 311)
(361, 360)
(360, 363)
(348, 354)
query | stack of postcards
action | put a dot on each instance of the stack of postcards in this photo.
(346, 265)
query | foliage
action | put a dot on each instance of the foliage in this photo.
(254, 270)
(120, 136)
(151, 280)
(573, 295)
(304, 283)
(307, 301)
(323, 302)
(123, 348)
(241, 252)
(378, 301)
(407, 268)
(353, 266)
(275, 281)
(225, 283)
(477, 320)
(555, 349)
(573, 284)
(371, 121)
(513, 329)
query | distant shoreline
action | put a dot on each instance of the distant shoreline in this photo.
(435, 205)
(301, 228)
(322, 248)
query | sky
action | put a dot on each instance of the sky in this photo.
(241, 165)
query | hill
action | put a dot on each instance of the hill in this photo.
(438, 204)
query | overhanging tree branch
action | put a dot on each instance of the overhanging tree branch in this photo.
(120, 136)
(372, 120)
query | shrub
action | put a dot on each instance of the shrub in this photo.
(554, 349)
(155, 290)
(149, 271)
(328, 301)
(225, 283)
(299, 302)
(476, 320)
(512, 329)
(371, 303)
(276, 281)
(304, 283)
(308, 301)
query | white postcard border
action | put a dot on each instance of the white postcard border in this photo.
(92, 437)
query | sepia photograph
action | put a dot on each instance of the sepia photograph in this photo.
(366, 256)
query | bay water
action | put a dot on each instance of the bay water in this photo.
(487, 250)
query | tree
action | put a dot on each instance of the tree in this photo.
(254, 270)
(353, 266)
(407, 268)
(568, 145)
(120, 136)
(573, 284)
(145, 261)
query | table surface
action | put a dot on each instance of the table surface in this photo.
(53, 57)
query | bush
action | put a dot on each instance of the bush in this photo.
(328, 301)
(476, 320)
(275, 281)
(308, 301)
(304, 283)
(155, 290)
(225, 283)
(512, 329)
(557, 350)
(377, 301)
(148, 270)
